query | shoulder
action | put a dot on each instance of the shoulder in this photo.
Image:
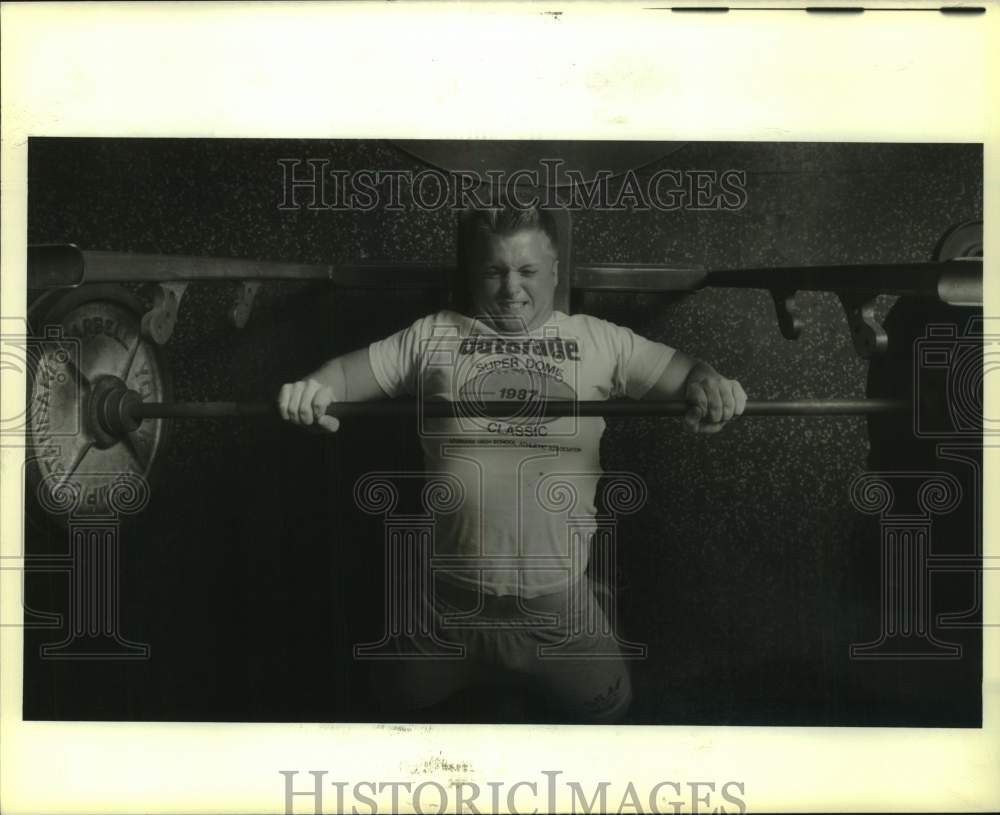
(440, 323)
(586, 324)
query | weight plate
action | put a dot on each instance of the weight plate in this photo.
(74, 468)
(964, 240)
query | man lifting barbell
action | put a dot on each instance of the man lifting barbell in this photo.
(100, 402)
(510, 547)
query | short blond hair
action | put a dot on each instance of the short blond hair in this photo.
(477, 225)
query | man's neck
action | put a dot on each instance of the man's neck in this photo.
(513, 326)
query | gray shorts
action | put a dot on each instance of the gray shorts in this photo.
(559, 646)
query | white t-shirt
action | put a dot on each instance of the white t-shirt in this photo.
(524, 514)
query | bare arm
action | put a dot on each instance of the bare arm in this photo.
(347, 378)
(713, 398)
(670, 385)
(350, 378)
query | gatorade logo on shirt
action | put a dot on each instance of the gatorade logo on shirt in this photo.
(519, 370)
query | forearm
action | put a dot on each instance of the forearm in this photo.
(349, 377)
(679, 373)
(331, 375)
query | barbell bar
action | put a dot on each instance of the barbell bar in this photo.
(114, 412)
(118, 410)
(134, 411)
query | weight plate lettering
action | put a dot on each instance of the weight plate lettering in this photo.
(84, 340)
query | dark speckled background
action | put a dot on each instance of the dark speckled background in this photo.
(748, 574)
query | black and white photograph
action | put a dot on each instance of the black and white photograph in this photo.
(501, 432)
(578, 438)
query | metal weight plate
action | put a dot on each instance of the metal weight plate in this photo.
(909, 372)
(964, 240)
(84, 341)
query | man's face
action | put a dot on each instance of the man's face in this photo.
(514, 282)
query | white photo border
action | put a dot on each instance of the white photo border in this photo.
(595, 71)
